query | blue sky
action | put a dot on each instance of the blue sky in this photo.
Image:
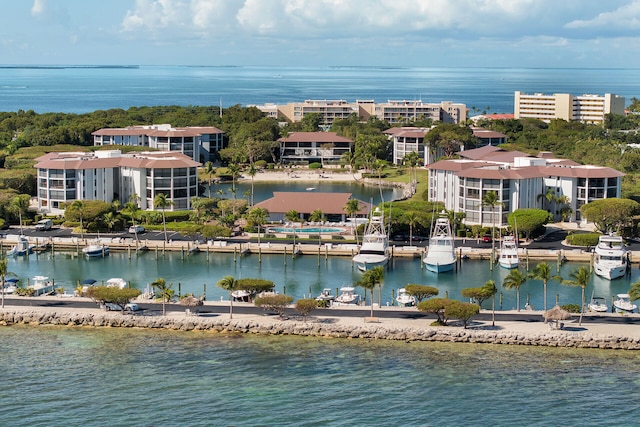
(469, 33)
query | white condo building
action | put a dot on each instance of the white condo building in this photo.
(521, 181)
(109, 175)
(583, 108)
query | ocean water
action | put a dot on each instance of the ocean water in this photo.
(76, 89)
(54, 376)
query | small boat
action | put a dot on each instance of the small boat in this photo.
(509, 252)
(41, 285)
(22, 247)
(10, 285)
(375, 244)
(310, 188)
(116, 282)
(347, 296)
(326, 295)
(610, 257)
(241, 295)
(441, 254)
(623, 304)
(404, 299)
(598, 304)
(96, 250)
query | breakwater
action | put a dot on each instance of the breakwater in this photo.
(318, 328)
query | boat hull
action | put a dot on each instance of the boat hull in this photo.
(509, 264)
(610, 273)
(364, 264)
(439, 268)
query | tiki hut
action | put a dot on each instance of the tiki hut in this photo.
(191, 301)
(557, 314)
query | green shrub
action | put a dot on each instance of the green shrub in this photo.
(337, 237)
(571, 308)
(260, 164)
(315, 165)
(583, 239)
(270, 166)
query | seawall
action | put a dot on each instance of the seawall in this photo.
(318, 327)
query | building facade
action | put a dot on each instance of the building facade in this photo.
(307, 147)
(583, 108)
(520, 182)
(109, 175)
(200, 143)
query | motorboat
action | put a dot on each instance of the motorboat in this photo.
(610, 257)
(116, 282)
(22, 247)
(10, 285)
(623, 304)
(241, 295)
(404, 299)
(326, 295)
(598, 304)
(41, 285)
(96, 250)
(310, 188)
(509, 252)
(374, 251)
(347, 296)
(441, 254)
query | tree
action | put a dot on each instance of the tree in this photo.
(305, 306)
(4, 263)
(369, 280)
(19, 206)
(579, 277)
(79, 207)
(515, 279)
(228, 283)
(317, 216)
(463, 311)
(257, 217)
(131, 208)
(352, 208)
(412, 219)
(166, 292)
(449, 138)
(421, 292)
(478, 295)
(210, 170)
(113, 295)
(549, 197)
(412, 160)
(634, 291)
(542, 271)
(162, 202)
(490, 286)
(252, 171)
(274, 303)
(609, 215)
(110, 220)
(234, 170)
(528, 220)
(490, 199)
(436, 306)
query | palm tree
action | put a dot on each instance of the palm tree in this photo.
(209, 170)
(252, 171)
(166, 292)
(515, 279)
(110, 220)
(19, 205)
(317, 216)
(412, 218)
(4, 263)
(234, 170)
(293, 216)
(79, 206)
(490, 199)
(579, 277)
(258, 217)
(369, 280)
(352, 208)
(412, 160)
(349, 158)
(542, 271)
(131, 208)
(228, 283)
(162, 202)
(490, 286)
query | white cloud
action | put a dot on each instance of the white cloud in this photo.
(38, 8)
(624, 17)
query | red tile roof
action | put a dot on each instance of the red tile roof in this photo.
(80, 161)
(307, 202)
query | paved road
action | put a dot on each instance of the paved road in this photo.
(385, 312)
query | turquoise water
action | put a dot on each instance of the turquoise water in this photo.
(306, 230)
(299, 277)
(94, 377)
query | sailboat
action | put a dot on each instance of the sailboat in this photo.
(375, 244)
(441, 255)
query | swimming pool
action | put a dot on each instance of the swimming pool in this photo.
(304, 230)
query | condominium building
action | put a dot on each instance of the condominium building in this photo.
(200, 143)
(583, 108)
(520, 181)
(109, 175)
(391, 111)
(306, 147)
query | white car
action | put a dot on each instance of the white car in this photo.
(136, 229)
(129, 308)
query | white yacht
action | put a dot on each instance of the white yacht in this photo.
(375, 244)
(41, 285)
(347, 296)
(509, 252)
(441, 254)
(623, 304)
(404, 299)
(610, 259)
(116, 282)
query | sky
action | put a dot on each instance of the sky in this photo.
(419, 33)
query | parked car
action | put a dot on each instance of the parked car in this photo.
(136, 229)
(129, 308)
(487, 238)
(44, 225)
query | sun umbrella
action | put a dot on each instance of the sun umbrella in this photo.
(557, 313)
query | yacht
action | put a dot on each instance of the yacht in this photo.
(22, 247)
(610, 259)
(623, 304)
(404, 299)
(509, 252)
(41, 285)
(96, 250)
(441, 254)
(347, 296)
(375, 244)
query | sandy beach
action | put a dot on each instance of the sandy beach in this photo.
(304, 175)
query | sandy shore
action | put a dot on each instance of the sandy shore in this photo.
(304, 175)
(329, 323)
